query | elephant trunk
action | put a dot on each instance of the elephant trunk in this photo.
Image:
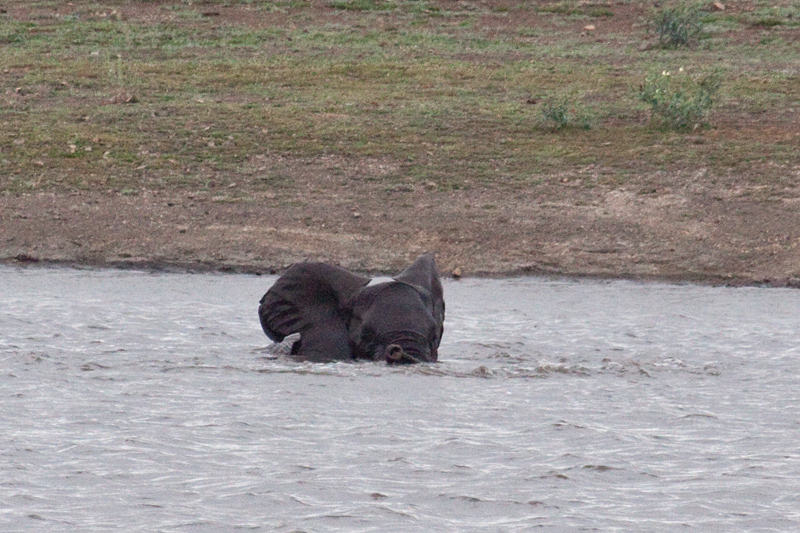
(395, 355)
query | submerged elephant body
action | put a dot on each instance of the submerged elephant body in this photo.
(340, 316)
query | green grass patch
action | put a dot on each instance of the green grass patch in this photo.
(361, 5)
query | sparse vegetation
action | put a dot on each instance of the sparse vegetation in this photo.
(561, 112)
(678, 25)
(360, 5)
(176, 95)
(677, 101)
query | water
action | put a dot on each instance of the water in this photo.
(138, 402)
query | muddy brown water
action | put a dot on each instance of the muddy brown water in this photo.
(134, 401)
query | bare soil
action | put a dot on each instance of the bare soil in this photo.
(687, 230)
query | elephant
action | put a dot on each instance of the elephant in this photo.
(340, 316)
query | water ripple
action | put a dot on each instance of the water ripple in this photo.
(154, 402)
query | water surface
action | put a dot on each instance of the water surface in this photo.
(153, 402)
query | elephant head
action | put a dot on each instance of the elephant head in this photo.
(340, 316)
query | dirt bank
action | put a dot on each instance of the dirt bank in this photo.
(246, 136)
(657, 227)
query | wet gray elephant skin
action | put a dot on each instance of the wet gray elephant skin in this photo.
(340, 317)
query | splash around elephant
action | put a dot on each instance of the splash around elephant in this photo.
(339, 316)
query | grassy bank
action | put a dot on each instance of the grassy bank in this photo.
(127, 97)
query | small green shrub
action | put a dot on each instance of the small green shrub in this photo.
(561, 112)
(360, 5)
(767, 22)
(679, 25)
(679, 102)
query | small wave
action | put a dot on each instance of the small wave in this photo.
(700, 415)
(91, 366)
(673, 364)
(554, 474)
(396, 512)
(468, 499)
(600, 468)
(563, 424)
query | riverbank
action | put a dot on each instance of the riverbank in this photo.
(245, 137)
(725, 235)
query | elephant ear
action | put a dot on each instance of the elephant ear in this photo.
(312, 299)
(423, 274)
